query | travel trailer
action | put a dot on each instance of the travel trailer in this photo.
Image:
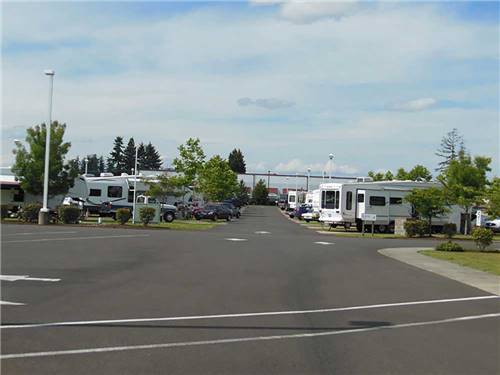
(348, 204)
(295, 198)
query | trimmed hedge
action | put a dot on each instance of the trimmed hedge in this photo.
(449, 230)
(30, 212)
(483, 237)
(147, 214)
(69, 214)
(415, 228)
(123, 215)
(449, 246)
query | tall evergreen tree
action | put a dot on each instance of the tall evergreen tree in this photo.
(129, 156)
(116, 162)
(141, 157)
(236, 161)
(152, 157)
(451, 145)
(101, 166)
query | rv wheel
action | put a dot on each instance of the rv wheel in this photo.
(168, 217)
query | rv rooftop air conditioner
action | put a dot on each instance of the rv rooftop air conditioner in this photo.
(106, 174)
(124, 174)
(364, 179)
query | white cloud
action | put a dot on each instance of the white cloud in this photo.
(311, 11)
(415, 105)
(268, 103)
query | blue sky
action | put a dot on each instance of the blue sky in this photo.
(376, 83)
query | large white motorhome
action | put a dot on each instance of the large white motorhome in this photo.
(295, 197)
(344, 204)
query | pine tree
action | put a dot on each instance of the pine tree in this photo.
(236, 161)
(129, 155)
(141, 157)
(152, 157)
(451, 146)
(101, 166)
(116, 163)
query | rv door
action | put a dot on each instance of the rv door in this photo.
(360, 203)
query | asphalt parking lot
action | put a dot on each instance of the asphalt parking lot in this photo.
(259, 295)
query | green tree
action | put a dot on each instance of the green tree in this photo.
(402, 175)
(152, 158)
(237, 161)
(190, 162)
(101, 168)
(451, 145)
(465, 181)
(419, 173)
(29, 164)
(116, 162)
(428, 203)
(216, 180)
(141, 157)
(162, 186)
(492, 196)
(129, 155)
(388, 176)
(242, 193)
(379, 176)
(260, 193)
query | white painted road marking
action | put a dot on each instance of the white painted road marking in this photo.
(25, 277)
(262, 232)
(199, 317)
(11, 303)
(244, 339)
(80, 238)
(324, 243)
(236, 239)
(35, 233)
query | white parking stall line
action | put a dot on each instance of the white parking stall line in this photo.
(324, 243)
(11, 303)
(245, 339)
(240, 315)
(236, 239)
(262, 232)
(79, 238)
(35, 233)
(25, 277)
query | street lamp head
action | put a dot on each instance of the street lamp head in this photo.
(49, 72)
(330, 156)
(308, 170)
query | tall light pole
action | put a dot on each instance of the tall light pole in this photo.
(268, 178)
(86, 160)
(43, 217)
(135, 185)
(308, 176)
(296, 182)
(331, 164)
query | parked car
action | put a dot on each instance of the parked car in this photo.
(310, 215)
(235, 211)
(168, 212)
(235, 201)
(494, 225)
(303, 208)
(214, 212)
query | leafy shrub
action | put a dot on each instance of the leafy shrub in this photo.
(123, 215)
(30, 212)
(4, 211)
(147, 214)
(416, 228)
(449, 246)
(449, 230)
(69, 214)
(483, 237)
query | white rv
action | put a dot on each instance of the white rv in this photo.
(346, 204)
(295, 198)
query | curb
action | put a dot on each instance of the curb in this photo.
(475, 278)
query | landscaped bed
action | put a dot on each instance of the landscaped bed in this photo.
(488, 261)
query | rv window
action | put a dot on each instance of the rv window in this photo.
(95, 193)
(114, 191)
(337, 199)
(361, 198)
(395, 200)
(291, 198)
(328, 200)
(348, 203)
(377, 201)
